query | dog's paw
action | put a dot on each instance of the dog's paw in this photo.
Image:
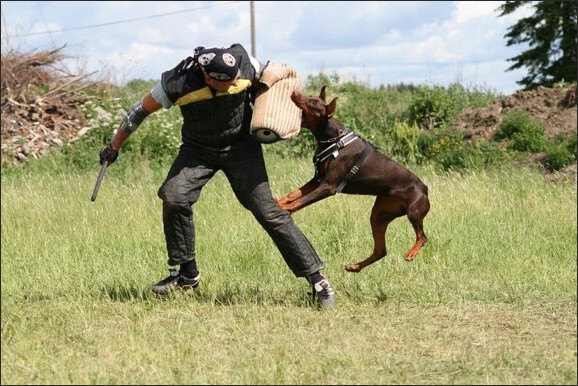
(410, 256)
(352, 268)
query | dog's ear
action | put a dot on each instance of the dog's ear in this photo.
(322, 93)
(330, 108)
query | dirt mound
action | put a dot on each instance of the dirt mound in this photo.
(555, 107)
(40, 104)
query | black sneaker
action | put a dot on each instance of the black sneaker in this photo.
(324, 293)
(175, 281)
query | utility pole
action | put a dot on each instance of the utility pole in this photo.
(253, 45)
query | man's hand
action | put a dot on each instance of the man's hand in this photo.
(108, 154)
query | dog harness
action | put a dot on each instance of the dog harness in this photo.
(333, 150)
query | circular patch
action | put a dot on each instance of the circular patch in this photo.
(207, 58)
(229, 59)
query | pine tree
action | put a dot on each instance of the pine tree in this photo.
(551, 35)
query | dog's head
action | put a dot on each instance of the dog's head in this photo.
(314, 110)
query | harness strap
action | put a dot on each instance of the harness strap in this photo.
(334, 148)
(355, 168)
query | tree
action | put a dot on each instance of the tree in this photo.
(551, 35)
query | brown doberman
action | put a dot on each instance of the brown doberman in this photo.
(347, 163)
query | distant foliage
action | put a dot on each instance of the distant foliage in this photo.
(409, 123)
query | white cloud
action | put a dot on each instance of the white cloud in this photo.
(466, 11)
(382, 41)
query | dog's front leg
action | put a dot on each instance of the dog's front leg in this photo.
(318, 193)
(298, 193)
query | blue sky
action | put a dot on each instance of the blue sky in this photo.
(373, 42)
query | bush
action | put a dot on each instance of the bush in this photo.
(434, 107)
(405, 141)
(522, 132)
(430, 108)
(561, 152)
(450, 151)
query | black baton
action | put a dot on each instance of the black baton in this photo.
(99, 180)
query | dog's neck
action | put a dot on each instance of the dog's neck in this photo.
(331, 131)
(332, 136)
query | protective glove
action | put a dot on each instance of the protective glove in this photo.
(108, 154)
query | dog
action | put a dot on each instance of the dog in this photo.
(346, 163)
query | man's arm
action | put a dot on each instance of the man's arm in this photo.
(131, 121)
(134, 117)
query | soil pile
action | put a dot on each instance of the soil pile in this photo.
(554, 107)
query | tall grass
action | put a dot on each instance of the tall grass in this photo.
(491, 299)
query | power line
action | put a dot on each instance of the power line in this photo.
(124, 21)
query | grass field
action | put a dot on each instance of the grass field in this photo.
(491, 299)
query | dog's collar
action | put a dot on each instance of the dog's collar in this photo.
(333, 150)
(340, 134)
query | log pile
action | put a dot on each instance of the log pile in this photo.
(41, 104)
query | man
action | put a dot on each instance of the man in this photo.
(214, 89)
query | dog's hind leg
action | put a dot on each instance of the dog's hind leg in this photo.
(381, 215)
(416, 213)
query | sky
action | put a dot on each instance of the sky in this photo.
(371, 42)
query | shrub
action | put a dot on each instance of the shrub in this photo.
(522, 132)
(430, 107)
(561, 152)
(450, 151)
(405, 138)
(434, 107)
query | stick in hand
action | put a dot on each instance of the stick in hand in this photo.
(101, 174)
(99, 180)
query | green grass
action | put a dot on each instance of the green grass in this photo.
(491, 299)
